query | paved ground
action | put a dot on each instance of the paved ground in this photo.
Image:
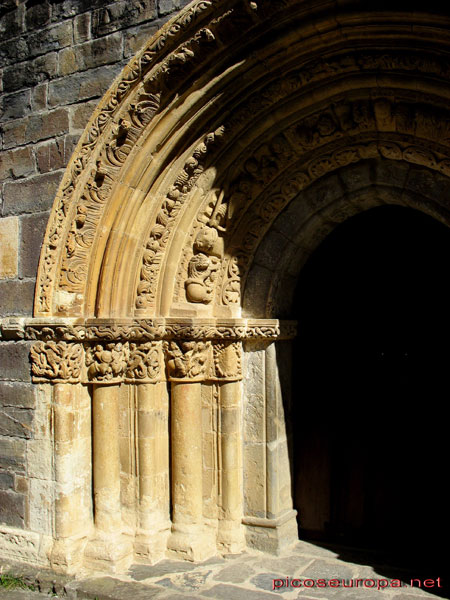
(307, 572)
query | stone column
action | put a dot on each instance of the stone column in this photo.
(109, 550)
(145, 370)
(270, 518)
(228, 372)
(188, 365)
(61, 364)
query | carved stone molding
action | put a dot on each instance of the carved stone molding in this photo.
(56, 362)
(144, 330)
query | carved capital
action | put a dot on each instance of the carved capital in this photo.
(189, 360)
(107, 362)
(227, 361)
(56, 362)
(144, 363)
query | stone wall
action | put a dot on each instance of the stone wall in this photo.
(57, 59)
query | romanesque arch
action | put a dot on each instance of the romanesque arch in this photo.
(218, 160)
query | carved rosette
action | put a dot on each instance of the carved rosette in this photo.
(227, 361)
(106, 362)
(145, 363)
(189, 360)
(56, 362)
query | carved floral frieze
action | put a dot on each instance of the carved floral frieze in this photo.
(110, 354)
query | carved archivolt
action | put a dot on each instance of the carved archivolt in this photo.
(190, 155)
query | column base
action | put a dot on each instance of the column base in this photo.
(195, 545)
(67, 555)
(110, 554)
(151, 546)
(230, 537)
(272, 535)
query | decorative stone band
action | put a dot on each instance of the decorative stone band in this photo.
(145, 330)
(110, 352)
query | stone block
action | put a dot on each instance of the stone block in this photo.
(91, 54)
(80, 114)
(165, 7)
(79, 86)
(39, 97)
(52, 38)
(16, 422)
(35, 128)
(122, 14)
(17, 298)
(18, 395)
(37, 15)
(9, 236)
(32, 195)
(12, 508)
(15, 51)
(137, 37)
(82, 28)
(12, 455)
(32, 229)
(50, 155)
(16, 163)
(15, 106)
(14, 358)
(30, 73)
(71, 8)
(40, 506)
(6, 480)
(11, 23)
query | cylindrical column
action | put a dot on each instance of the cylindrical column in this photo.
(231, 533)
(72, 460)
(153, 465)
(106, 458)
(189, 538)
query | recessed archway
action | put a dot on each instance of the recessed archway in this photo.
(371, 356)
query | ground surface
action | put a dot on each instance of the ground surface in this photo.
(305, 568)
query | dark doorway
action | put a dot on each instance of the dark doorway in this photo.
(372, 364)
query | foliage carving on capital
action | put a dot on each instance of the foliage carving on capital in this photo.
(106, 363)
(189, 360)
(144, 363)
(56, 361)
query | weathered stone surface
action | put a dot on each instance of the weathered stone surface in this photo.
(35, 128)
(6, 480)
(225, 592)
(140, 572)
(82, 28)
(81, 86)
(11, 22)
(106, 588)
(135, 38)
(16, 163)
(235, 573)
(17, 297)
(16, 422)
(33, 195)
(30, 73)
(15, 106)
(19, 395)
(32, 230)
(121, 14)
(91, 54)
(14, 355)
(9, 235)
(12, 454)
(37, 15)
(12, 508)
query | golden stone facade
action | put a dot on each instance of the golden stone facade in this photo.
(220, 158)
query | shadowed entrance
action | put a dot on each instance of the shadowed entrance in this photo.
(373, 350)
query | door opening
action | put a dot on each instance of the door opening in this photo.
(371, 363)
